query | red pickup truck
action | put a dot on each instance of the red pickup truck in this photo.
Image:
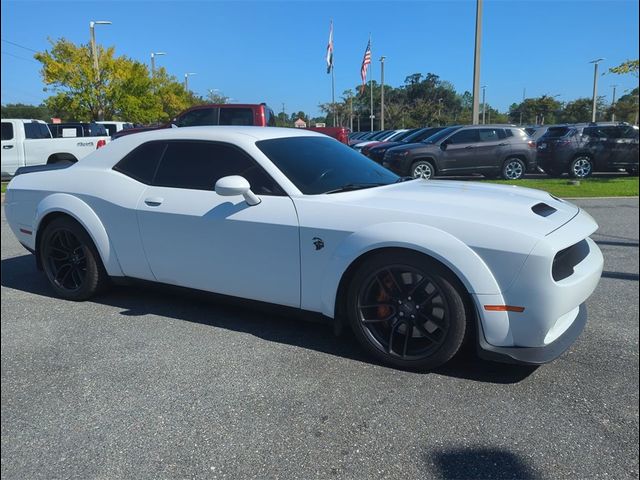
(339, 133)
(259, 115)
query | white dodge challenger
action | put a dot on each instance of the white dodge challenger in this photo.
(297, 219)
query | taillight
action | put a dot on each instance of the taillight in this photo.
(101, 143)
(531, 144)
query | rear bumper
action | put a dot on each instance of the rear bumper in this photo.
(535, 355)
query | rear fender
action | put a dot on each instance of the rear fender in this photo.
(83, 214)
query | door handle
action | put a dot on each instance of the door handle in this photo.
(154, 201)
(469, 146)
(7, 147)
(503, 144)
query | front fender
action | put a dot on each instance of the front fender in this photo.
(84, 214)
(444, 247)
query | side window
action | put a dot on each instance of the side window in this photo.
(7, 131)
(629, 132)
(236, 116)
(490, 134)
(509, 132)
(35, 130)
(198, 117)
(111, 128)
(199, 165)
(465, 136)
(141, 163)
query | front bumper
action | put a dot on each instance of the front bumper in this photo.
(535, 355)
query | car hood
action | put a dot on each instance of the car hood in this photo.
(458, 205)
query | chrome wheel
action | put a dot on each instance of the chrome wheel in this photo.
(422, 170)
(513, 170)
(65, 260)
(581, 167)
(403, 312)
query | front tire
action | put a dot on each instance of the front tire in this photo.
(423, 169)
(70, 260)
(407, 310)
(513, 169)
(581, 167)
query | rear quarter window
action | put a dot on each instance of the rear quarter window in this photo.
(556, 132)
(142, 162)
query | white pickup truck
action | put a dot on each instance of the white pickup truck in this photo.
(28, 142)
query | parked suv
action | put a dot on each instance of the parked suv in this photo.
(259, 115)
(377, 151)
(77, 129)
(579, 150)
(492, 150)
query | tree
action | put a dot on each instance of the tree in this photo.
(123, 89)
(213, 97)
(579, 110)
(628, 67)
(626, 107)
(21, 110)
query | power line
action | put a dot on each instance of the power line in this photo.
(16, 56)
(18, 45)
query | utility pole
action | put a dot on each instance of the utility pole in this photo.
(484, 103)
(595, 87)
(439, 110)
(476, 64)
(382, 92)
(94, 51)
(524, 91)
(351, 112)
(613, 104)
(284, 116)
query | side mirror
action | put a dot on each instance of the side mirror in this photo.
(443, 145)
(234, 185)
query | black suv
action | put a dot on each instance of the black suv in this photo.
(579, 150)
(77, 129)
(492, 150)
(377, 151)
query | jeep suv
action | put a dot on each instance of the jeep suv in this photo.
(579, 150)
(492, 150)
(216, 114)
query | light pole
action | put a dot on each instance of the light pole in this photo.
(595, 87)
(613, 104)
(439, 110)
(153, 62)
(476, 65)
(186, 80)
(94, 51)
(382, 92)
(524, 91)
(484, 103)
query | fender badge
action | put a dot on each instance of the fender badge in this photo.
(318, 242)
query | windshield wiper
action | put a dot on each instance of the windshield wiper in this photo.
(354, 186)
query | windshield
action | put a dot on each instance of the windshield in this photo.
(441, 134)
(320, 165)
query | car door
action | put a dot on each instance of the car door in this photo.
(195, 238)
(460, 151)
(490, 153)
(10, 149)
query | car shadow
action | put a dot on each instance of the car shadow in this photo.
(473, 463)
(20, 273)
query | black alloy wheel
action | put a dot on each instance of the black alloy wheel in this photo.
(70, 260)
(406, 310)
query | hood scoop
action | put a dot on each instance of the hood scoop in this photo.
(543, 209)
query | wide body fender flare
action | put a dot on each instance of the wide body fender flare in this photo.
(444, 247)
(84, 214)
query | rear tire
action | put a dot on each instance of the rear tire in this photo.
(581, 167)
(71, 261)
(418, 318)
(513, 169)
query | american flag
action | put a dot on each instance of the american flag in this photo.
(366, 61)
(330, 49)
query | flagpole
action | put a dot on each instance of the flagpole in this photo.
(333, 91)
(371, 84)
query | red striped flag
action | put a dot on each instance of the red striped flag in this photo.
(330, 49)
(366, 61)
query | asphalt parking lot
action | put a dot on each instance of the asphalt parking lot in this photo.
(143, 383)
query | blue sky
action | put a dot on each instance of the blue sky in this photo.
(274, 51)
